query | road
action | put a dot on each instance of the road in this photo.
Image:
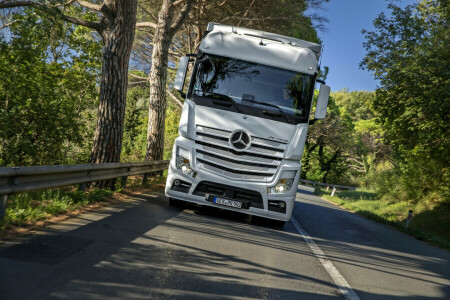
(146, 249)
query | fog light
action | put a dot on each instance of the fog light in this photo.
(176, 182)
(281, 204)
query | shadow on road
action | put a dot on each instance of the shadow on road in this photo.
(388, 261)
(153, 250)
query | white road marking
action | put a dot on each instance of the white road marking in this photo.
(338, 279)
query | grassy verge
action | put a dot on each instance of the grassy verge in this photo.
(32, 210)
(430, 222)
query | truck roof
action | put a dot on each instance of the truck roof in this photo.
(261, 47)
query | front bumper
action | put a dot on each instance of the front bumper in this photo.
(203, 175)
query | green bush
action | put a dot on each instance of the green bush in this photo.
(35, 206)
(98, 195)
(77, 196)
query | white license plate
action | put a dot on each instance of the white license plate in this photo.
(227, 202)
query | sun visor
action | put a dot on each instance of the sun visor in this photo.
(260, 50)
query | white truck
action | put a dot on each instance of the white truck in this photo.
(244, 121)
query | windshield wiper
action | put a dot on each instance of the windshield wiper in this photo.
(267, 112)
(222, 97)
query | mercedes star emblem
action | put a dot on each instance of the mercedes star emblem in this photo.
(240, 140)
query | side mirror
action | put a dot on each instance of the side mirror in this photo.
(178, 84)
(322, 102)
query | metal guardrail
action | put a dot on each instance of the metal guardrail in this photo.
(14, 180)
(328, 185)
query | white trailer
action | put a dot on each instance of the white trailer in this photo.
(244, 121)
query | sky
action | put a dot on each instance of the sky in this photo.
(343, 40)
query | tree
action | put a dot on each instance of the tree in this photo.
(367, 149)
(50, 73)
(326, 147)
(278, 16)
(165, 29)
(408, 52)
(115, 21)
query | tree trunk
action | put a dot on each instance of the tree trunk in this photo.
(327, 166)
(158, 75)
(162, 40)
(118, 36)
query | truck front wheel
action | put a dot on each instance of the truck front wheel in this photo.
(174, 202)
(268, 222)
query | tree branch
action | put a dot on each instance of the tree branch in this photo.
(13, 22)
(175, 3)
(181, 16)
(246, 12)
(354, 160)
(138, 77)
(137, 82)
(90, 5)
(11, 4)
(178, 48)
(149, 13)
(54, 10)
(76, 21)
(146, 25)
(174, 98)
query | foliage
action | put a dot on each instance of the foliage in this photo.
(279, 16)
(31, 207)
(172, 120)
(408, 52)
(47, 94)
(347, 145)
(136, 119)
(135, 126)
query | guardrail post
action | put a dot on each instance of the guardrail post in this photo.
(145, 179)
(327, 189)
(334, 191)
(408, 219)
(123, 182)
(3, 205)
(82, 187)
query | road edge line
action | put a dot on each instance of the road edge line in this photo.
(342, 284)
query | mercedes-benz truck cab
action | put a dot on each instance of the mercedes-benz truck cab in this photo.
(244, 121)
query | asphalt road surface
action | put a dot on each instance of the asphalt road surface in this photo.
(147, 249)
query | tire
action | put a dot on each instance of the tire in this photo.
(267, 222)
(174, 202)
(279, 224)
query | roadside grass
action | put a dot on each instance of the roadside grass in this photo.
(430, 221)
(28, 209)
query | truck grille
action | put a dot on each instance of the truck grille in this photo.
(258, 162)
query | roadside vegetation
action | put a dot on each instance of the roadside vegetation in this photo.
(394, 141)
(32, 210)
(430, 221)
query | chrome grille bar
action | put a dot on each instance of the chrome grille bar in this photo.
(258, 162)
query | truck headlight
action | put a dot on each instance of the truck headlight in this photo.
(283, 186)
(183, 164)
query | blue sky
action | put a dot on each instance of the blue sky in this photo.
(343, 40)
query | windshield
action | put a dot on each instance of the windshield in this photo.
(256, 85)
